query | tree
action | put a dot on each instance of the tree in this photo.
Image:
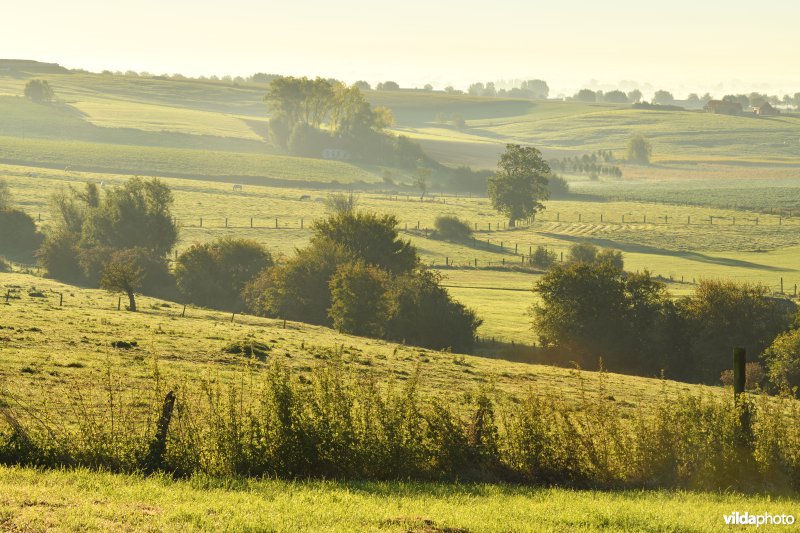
(586, 95)
(615, 97)
(723, 314)
(215, 274)
(662, 97)
(597, 310)
(38, 91)
(388, 86)
(635, 96)
(136, 215)
(520, 183)
(423, 314)
(370, 238)
(583, 253)
(543, 258)
(428, 88)
(362, 85)
(639, 150)
(359, 301)
(123, 274)
(422, 180)
(476, 89)
(490, 89)
(537, 88)
(782, 359)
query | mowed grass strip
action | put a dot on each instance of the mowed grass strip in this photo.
(39, 500)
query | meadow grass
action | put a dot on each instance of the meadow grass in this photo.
(70, 500)
(733, 247)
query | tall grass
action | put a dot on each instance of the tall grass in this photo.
(342, 424)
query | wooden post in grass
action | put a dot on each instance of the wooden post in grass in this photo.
(119, 303)
(201, 222)
(251, 222)
(155, 455)
(688, 220)
(301, 223)
(226, 222)
(781, 284)
(183, 313)
(276, 223)
(8, 295)
(61, 299)
(739, 364)
(233, 315)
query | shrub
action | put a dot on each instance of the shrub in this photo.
(215, 274)
(423, 314)
(370, 238)
(59, 255)
(558, 186)
(452, 228)
(782, 359)
(300, 288)
(639, 150)
(543, 258)
(5, 266)
(723, 314)
(582, 253)
(19, 235)
(754, 376)
(359, 303)
(307, 141)
(38, 91)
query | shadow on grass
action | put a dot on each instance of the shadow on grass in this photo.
(644, 249)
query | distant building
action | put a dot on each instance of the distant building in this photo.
(721, 107)
(336, 154)
(765, 109)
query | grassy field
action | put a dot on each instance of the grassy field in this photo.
(47, 347)
(35, 500)
(206, 115)
(733, 247)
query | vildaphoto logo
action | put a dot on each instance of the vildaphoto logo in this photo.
(763, 519)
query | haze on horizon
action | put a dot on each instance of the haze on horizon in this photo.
(681, 46)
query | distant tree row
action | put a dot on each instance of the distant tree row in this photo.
(531, 89)
(594, 164)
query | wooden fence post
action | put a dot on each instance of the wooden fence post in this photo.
(155, 455)
(739, 365)
(201, 222)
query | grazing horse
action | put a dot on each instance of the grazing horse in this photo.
(237, 187)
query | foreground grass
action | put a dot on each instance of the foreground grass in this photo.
(39, 500)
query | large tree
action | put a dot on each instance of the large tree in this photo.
(38, 91)
(520, 184)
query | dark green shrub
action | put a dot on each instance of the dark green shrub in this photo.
(19, 235)
(215, 274)
(452, 228)
(543, 258)
(359, 301)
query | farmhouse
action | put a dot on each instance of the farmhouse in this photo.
(721, 107)
(765, 109)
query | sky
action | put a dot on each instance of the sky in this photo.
(684, 46)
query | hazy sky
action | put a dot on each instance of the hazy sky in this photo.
(681, 45)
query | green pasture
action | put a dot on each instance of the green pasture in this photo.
(39, 500)
(684, 248)
(227, 116)
(50, 347)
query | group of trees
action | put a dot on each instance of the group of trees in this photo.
(595, 164)
(531, 89)
(591, 309)
(612, 97)
(309, 116)
(118, 240)
(358, 276)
